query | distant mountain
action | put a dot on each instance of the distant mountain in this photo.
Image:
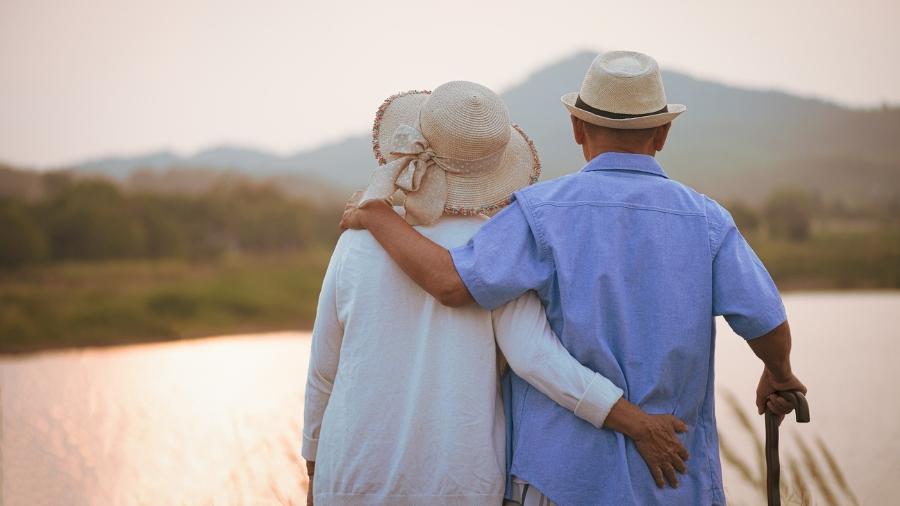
(33, 186)
(731, 142)
(120, 167)
(222, 157)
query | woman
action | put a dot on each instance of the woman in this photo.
(403, 402)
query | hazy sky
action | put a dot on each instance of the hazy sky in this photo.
(86, 78)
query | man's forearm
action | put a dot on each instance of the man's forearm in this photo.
(774, 349)
(427, 263)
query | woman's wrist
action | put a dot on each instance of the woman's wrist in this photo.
(626, 418)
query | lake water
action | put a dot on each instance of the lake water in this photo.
(217, 421)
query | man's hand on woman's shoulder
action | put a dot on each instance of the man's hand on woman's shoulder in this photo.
(352, 217)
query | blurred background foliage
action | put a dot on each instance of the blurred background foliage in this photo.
(88, 260)
(92, 219)
(161, 245)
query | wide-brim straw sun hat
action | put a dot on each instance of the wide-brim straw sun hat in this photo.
(451, 151)
(624, 90)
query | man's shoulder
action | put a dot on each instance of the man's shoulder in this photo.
(703, 202)
(550, 190)
(715, 212)
(582, 187)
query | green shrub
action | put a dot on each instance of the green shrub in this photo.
(21, 238)
(789, 214)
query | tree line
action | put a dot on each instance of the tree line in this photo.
(54, 217)
(788, 214)
(95, 220)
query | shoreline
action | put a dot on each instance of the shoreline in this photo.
(232, 332)
(42, 348)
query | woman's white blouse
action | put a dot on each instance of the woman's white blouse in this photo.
(403, 402)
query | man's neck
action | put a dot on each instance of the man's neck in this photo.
(591, 152)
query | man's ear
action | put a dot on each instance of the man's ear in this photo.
(578, 130)
(660, 136)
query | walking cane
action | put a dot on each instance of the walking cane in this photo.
(773, 466)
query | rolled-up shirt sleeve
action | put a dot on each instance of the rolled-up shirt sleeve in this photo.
(534, 352)
(324, 356)
(505, 259)
(743, 291)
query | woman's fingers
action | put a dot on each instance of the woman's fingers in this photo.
(669, 473)
(679, 464)
(657, 473)
(678, 425)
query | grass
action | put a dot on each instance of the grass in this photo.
(813, 477)
(833, 259)
(92, 304)
(95, 304)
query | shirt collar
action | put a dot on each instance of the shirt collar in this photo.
(628, 162)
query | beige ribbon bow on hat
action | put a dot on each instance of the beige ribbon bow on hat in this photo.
(418, 172)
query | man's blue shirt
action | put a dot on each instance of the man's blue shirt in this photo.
(632, 268)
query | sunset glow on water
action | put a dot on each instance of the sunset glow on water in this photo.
(217, 421)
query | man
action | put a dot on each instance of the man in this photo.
(632, 268)
(402, 402)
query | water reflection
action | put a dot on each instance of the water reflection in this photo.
(217, 421)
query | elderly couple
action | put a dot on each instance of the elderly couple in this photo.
(598, 289)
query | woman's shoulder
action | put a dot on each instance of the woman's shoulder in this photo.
(451, 231)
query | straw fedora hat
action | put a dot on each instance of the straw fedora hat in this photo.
(622, 89)
(451, 151)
